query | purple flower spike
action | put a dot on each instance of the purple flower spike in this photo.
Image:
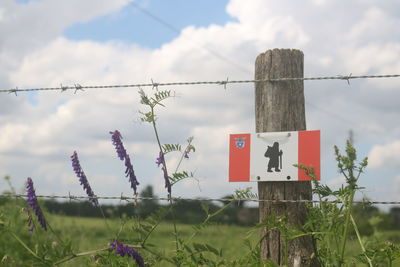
(131, 173)
(34, 205)
(82, 178)
(125, 250)
(161, 161)
(116, 138)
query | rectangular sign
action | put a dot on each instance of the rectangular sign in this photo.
(271, 156)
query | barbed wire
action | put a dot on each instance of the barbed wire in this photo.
(226, 199)
(78, 87)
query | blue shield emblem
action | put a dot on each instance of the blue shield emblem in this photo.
(240, 143)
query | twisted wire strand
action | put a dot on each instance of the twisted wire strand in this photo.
(135, 198)
(77, 87)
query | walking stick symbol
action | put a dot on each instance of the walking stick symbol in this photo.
(280, 159)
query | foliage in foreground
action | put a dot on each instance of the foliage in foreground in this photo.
(330, 222)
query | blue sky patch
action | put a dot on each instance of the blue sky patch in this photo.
(148, 24)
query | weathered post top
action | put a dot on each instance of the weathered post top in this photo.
(280, 105)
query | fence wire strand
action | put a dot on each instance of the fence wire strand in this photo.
(78, 87)
(137, 198)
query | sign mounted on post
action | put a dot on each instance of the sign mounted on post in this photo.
(270, 156)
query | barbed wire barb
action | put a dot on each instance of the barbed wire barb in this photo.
(14, 91)
(63, 88)
(346, 78)
(69, 194)
(224, 82)
(156, 85)
(78, 87)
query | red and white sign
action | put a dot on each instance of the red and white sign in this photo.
(270, 156)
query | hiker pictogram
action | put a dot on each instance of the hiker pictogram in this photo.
(275, 157)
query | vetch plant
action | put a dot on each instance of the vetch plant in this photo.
(86, 186)
(161, 161)
(82, 178)
(116, 138)
(330, 222)
(169, 180)
(152, 102)
(125, 250)
(351, 172)
(34, 205)
(150, 117)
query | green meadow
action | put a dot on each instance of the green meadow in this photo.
(92, 233)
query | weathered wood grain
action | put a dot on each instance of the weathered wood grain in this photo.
(279, 106)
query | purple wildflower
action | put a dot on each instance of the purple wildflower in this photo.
(125, 250)
(116, 138)
(82, 178)
(161, 161)
(34, 205)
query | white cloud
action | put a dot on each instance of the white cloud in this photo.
(370, 26)
(385, 156)
(319, 2)
(337, 182)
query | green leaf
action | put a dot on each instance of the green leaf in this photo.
(144, 99)
(148, 117)
(167, 148)
(188, 248)
(159, 96)
(245, 193)
(178, 176)
(199, 247)
(213, 250)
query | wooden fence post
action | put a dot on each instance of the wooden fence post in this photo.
(279, 106)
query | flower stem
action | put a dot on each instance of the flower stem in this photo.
(349, 205)
(209, 217)
(26, 247)
(105, 220)
(359, 240)
(183, 155)
(55, 234)
(165, 166)
(73, 256)
(155, 129)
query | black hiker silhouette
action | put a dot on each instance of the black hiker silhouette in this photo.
(275, 157)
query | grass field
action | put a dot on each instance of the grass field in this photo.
(92, 233)
(88, 234)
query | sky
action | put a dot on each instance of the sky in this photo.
(49, 43)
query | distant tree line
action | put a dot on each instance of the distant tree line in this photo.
(186, 211)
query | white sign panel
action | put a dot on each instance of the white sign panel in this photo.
(272, 157)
